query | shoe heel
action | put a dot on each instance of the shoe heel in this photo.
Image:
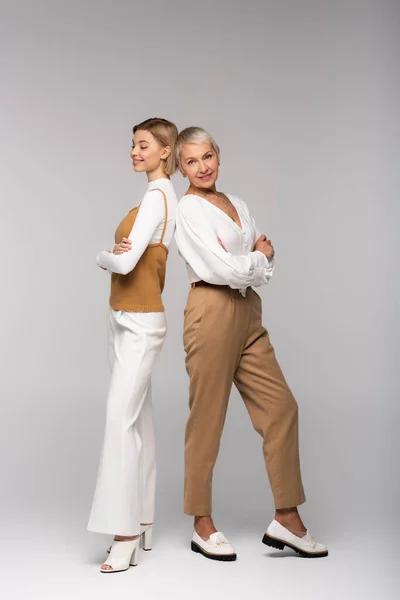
(195, 547)
(147, 539)
(272, 542)
(135, 556)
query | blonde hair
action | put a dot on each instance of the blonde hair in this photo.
(166, 134)
(193, 135)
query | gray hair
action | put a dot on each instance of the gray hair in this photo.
(193, 135)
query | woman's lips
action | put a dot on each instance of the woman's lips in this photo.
(206, 177)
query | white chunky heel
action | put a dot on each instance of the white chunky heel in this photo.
(122, 555)
(147, 537)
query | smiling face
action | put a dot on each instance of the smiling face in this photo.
(200, 162)
(147, 152)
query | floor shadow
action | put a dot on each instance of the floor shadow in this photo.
(282, 554)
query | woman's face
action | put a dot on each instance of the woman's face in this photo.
(146, 152)
(200, 163)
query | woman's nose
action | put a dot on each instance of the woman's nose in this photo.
(202, 167)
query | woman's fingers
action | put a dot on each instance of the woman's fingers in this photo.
(124, 246)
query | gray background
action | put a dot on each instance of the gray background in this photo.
(303, 99)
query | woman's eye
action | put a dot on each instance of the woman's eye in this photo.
(132, 147)
(190, 162)
(209, 156)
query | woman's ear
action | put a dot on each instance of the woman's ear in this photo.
(182, 172)
(166, 152)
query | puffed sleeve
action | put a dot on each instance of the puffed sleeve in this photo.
(257, 232)
(198, 244)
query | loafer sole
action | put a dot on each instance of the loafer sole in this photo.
(223, 557)
(280, 544)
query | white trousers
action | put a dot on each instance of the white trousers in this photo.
(126, 482)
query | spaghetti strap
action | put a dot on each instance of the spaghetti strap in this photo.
(166, 212)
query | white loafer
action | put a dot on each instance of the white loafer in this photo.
(122, 555)
(216, 547)
(278, 537)
(146, 537)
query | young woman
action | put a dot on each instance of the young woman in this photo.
(226, 343)
(124, 499)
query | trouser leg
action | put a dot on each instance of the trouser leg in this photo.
(148, 460)
(212, 347)
(272, 409)
(138, 339)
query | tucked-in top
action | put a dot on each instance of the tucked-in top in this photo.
(199, 224)
(138, 276)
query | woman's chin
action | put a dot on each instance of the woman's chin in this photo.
(205, 185)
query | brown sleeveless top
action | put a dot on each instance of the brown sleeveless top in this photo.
(140, 290)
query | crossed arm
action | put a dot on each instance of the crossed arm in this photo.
(150, 215)
(204, 252)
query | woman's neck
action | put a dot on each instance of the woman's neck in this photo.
(157, 174)
(202, 191)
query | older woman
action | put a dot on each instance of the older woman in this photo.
(226, 343)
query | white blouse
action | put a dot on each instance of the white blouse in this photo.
(147, 228)
(198, 225)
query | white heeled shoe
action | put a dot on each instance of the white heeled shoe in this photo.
(122, 555)
(146, 537)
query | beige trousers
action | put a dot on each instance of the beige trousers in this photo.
(225, 342)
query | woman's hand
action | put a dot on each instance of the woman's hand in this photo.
(265, 246)
(124, 246)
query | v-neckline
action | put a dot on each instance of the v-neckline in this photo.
(240, 227)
